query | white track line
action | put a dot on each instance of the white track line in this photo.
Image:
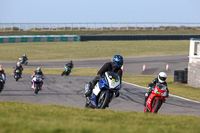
(169, 94)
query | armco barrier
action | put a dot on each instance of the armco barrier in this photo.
(136, 37)
(39, 38)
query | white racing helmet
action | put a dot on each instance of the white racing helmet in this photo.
(162, 76)
(38, 69)
(18, 64)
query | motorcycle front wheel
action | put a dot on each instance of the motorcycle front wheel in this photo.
(156, 105)
(17, 77)
(63, 73)
(1, 87)
(103, 100)
(36, 90)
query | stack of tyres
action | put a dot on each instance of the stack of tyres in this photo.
(180, 76)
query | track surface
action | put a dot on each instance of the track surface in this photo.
(70, 90)
(154, 64)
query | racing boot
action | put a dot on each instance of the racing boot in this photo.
(32, 86)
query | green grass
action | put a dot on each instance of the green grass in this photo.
(113, 32)
(18, 117)
(182, 90)
(37, 51)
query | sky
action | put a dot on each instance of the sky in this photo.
(66, 11)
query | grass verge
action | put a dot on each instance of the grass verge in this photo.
(31, 118)
(37, 51)
(182, 90)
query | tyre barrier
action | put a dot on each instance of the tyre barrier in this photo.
(136, 37)
(39, 38)
(180, 76)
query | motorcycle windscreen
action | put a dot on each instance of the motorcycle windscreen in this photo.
(160, 89)
(113, 79)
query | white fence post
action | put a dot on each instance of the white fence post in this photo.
(42, 27)
(4, 27)
(71, 26)
(12, 27)
(26, 27)
(49, 27)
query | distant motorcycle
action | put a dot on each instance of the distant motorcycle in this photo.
(156, 98)
(17, 74)
(1, 83)
(37, 80)
(67, 71)
(104, 91)
(22, 61)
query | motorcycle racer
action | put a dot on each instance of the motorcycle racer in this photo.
(68, 68)
(38, 71)
(2, 72)
(113, 66)
(70, 64)
(162, 76)
(19, 66)
(24, 57)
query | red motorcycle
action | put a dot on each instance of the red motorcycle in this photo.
(156, 98)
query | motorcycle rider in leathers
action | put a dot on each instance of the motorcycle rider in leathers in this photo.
(70, 64)
(162, 76)
(113, 66)
(2, 72)
(24, 57)
(37, 72)
(19, 66)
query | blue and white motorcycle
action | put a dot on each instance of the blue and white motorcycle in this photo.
(37, 83)
(104, 91)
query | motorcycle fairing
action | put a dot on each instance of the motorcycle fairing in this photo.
(112, 80)
(66, 68)
(152, 98)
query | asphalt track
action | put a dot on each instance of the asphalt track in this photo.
(70, 90)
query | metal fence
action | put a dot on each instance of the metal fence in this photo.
(98, 26)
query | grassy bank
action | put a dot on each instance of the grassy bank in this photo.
(31, 118)
(37, 51)
(182, 90)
